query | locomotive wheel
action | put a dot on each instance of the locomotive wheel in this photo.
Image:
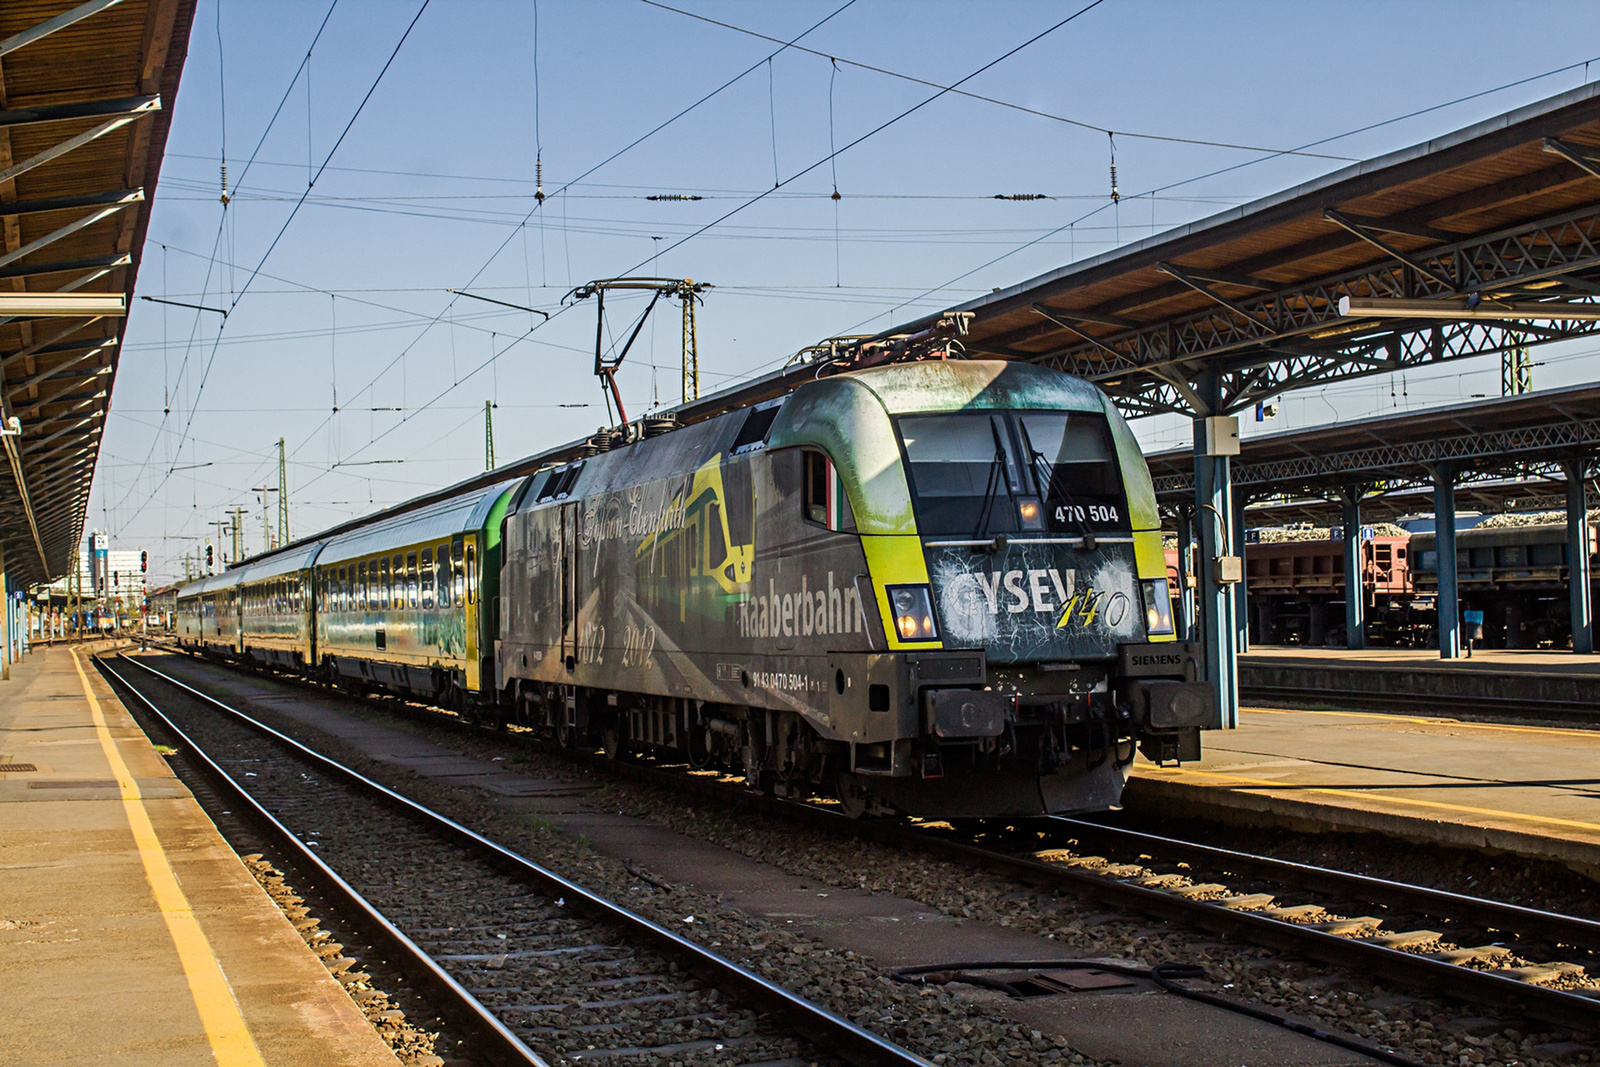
(853, 799)
(699, 747)
(614, 741)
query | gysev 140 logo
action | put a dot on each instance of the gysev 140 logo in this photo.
(1085, 605)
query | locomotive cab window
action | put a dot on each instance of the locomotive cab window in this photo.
(977, 474)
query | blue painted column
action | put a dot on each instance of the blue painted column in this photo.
(1355, 600)
(1185, 619)
(1444, 542)
(1214, 603)
(1579, 591)
(1241, 600)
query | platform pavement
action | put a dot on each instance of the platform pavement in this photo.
(130, 932)
(1528, 790)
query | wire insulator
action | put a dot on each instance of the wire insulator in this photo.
(538, 178)
(1116, 196)
(1021, 196)
(224, 197)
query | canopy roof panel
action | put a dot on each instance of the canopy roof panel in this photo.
(85, 97)
(1218, 314)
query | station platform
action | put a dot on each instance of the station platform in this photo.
(130, 932)
(1525, 789)
(1496, 676)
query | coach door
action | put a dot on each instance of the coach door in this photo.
(470, 612)
(569, 584)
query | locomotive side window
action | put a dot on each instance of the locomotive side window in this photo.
(427, 578)
(825, 501)
(472, 576)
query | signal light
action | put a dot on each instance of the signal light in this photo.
(144, 561)
(210, 556)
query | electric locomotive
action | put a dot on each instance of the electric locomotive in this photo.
(932, 587)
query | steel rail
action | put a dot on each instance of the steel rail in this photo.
(444, 991)
(1565, 1009)
(812, 1021)
(1441, 903)
(1506, 994)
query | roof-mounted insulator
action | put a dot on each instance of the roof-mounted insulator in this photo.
(674, 196)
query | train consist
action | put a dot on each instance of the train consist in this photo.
(933, 587)
(1515, 575)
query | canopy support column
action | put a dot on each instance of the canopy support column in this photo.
(1213, 518)
(1241, 601)
(1355, 600)
(1444, 541)
(1579, 591)
(1184, 623)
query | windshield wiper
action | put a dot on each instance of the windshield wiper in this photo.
(1050, 484)
(990, 490)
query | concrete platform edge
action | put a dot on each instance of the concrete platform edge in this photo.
(1150, 797)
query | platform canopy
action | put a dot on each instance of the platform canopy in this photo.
(1506, 450)
(1482, 221)
(85, 102)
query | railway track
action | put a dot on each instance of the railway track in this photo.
(537, 969)
(1515, 959)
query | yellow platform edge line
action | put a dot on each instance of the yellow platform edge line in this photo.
(1256, 785)
(231, 1042)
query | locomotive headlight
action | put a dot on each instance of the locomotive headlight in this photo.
(913, 613)
(1157, 606)
(1030, 514)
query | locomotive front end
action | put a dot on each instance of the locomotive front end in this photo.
(1010, 530)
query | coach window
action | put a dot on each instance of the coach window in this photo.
(362, 603)
(398, 590)
(411, 579)
(427, 578)
(341, 604)
(445, 576)
(458, 570)
(383, 584)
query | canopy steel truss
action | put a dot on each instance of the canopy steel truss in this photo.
(82, 131)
